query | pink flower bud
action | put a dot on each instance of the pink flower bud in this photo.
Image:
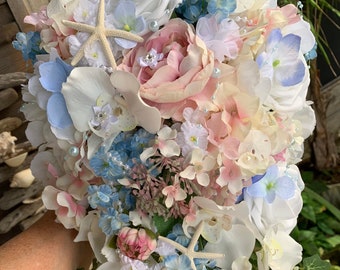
(136, 244)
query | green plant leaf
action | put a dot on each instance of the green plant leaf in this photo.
(315, 263)
(164, 227)
(308, 212)
(334, 240)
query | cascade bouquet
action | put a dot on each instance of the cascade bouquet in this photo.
(169, 131)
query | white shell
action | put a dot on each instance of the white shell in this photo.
(16, 161)
(22, 179)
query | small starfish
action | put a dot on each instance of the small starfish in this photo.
(189, 251)
(99, 32)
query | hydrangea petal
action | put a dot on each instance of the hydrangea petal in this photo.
(57, 112)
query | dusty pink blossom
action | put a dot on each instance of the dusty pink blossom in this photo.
(183, 71)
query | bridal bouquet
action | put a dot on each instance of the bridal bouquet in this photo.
(168, 131)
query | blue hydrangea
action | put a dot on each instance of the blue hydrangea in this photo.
(110, 165)
(272, 185)
(29, 45)
(191, 10)
(111, 221)
(127, 199)
(221, 8)
(177, 262)
(102, 196)
(52, 76)
(177, 235)
(312, 54)
(204, 264)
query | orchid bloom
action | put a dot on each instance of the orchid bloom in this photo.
(280, 251)
(199, 168)
(88, 89)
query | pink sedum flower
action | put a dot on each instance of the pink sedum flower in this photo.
(136, 243)
(183, 71)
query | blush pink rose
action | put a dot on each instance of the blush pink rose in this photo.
(136, 243)
(182, 69)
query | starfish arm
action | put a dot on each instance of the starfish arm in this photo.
(107, 50)
(123, 34)
(79, 26)
(195, 237)
(101, 14)
(79, 55)
(207, 255)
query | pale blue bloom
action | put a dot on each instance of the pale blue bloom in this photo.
(29, 45)
(204, 264)
(111, 221)
(272, 185)
(280, 61)
(52, 75)
(177, 235)
(177, 262)
(125, 19)
(102, 196)
(221, 8)
(312, 53)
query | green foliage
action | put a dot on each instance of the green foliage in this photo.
(318, 228)
(164, 226)
(315, 263)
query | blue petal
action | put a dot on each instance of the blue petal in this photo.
(257, 190)
(57, 113)
(285, 187)
(274, 38)
(125, 12)
(54, 74)
(126, 44)
(289, 76)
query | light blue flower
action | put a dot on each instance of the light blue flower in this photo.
(177, 235)
(111, 221)
(312, 54)
(204, 264)
(29, 45)
(102, 196)
(221, 8)
(109, 165)
(177, 262)
(272, 185)
(52, 75)
(280, 61)
(125, 19)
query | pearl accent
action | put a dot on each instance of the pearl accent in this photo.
(153, 26)
(73, 151)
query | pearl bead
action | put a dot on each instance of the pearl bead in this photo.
(153, 26)
(216, 73)
(73, 151)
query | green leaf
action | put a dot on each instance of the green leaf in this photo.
(315, 263)
(308, 212)
(334, 240)
(164, 226)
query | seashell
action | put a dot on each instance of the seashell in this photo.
(22, 179)
(16, 161)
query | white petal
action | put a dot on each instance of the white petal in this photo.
(81, 91)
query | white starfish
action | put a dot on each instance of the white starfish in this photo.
(189, 251)
(99, 32)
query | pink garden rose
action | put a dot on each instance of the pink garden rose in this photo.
(171, 65)
(136, 244)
